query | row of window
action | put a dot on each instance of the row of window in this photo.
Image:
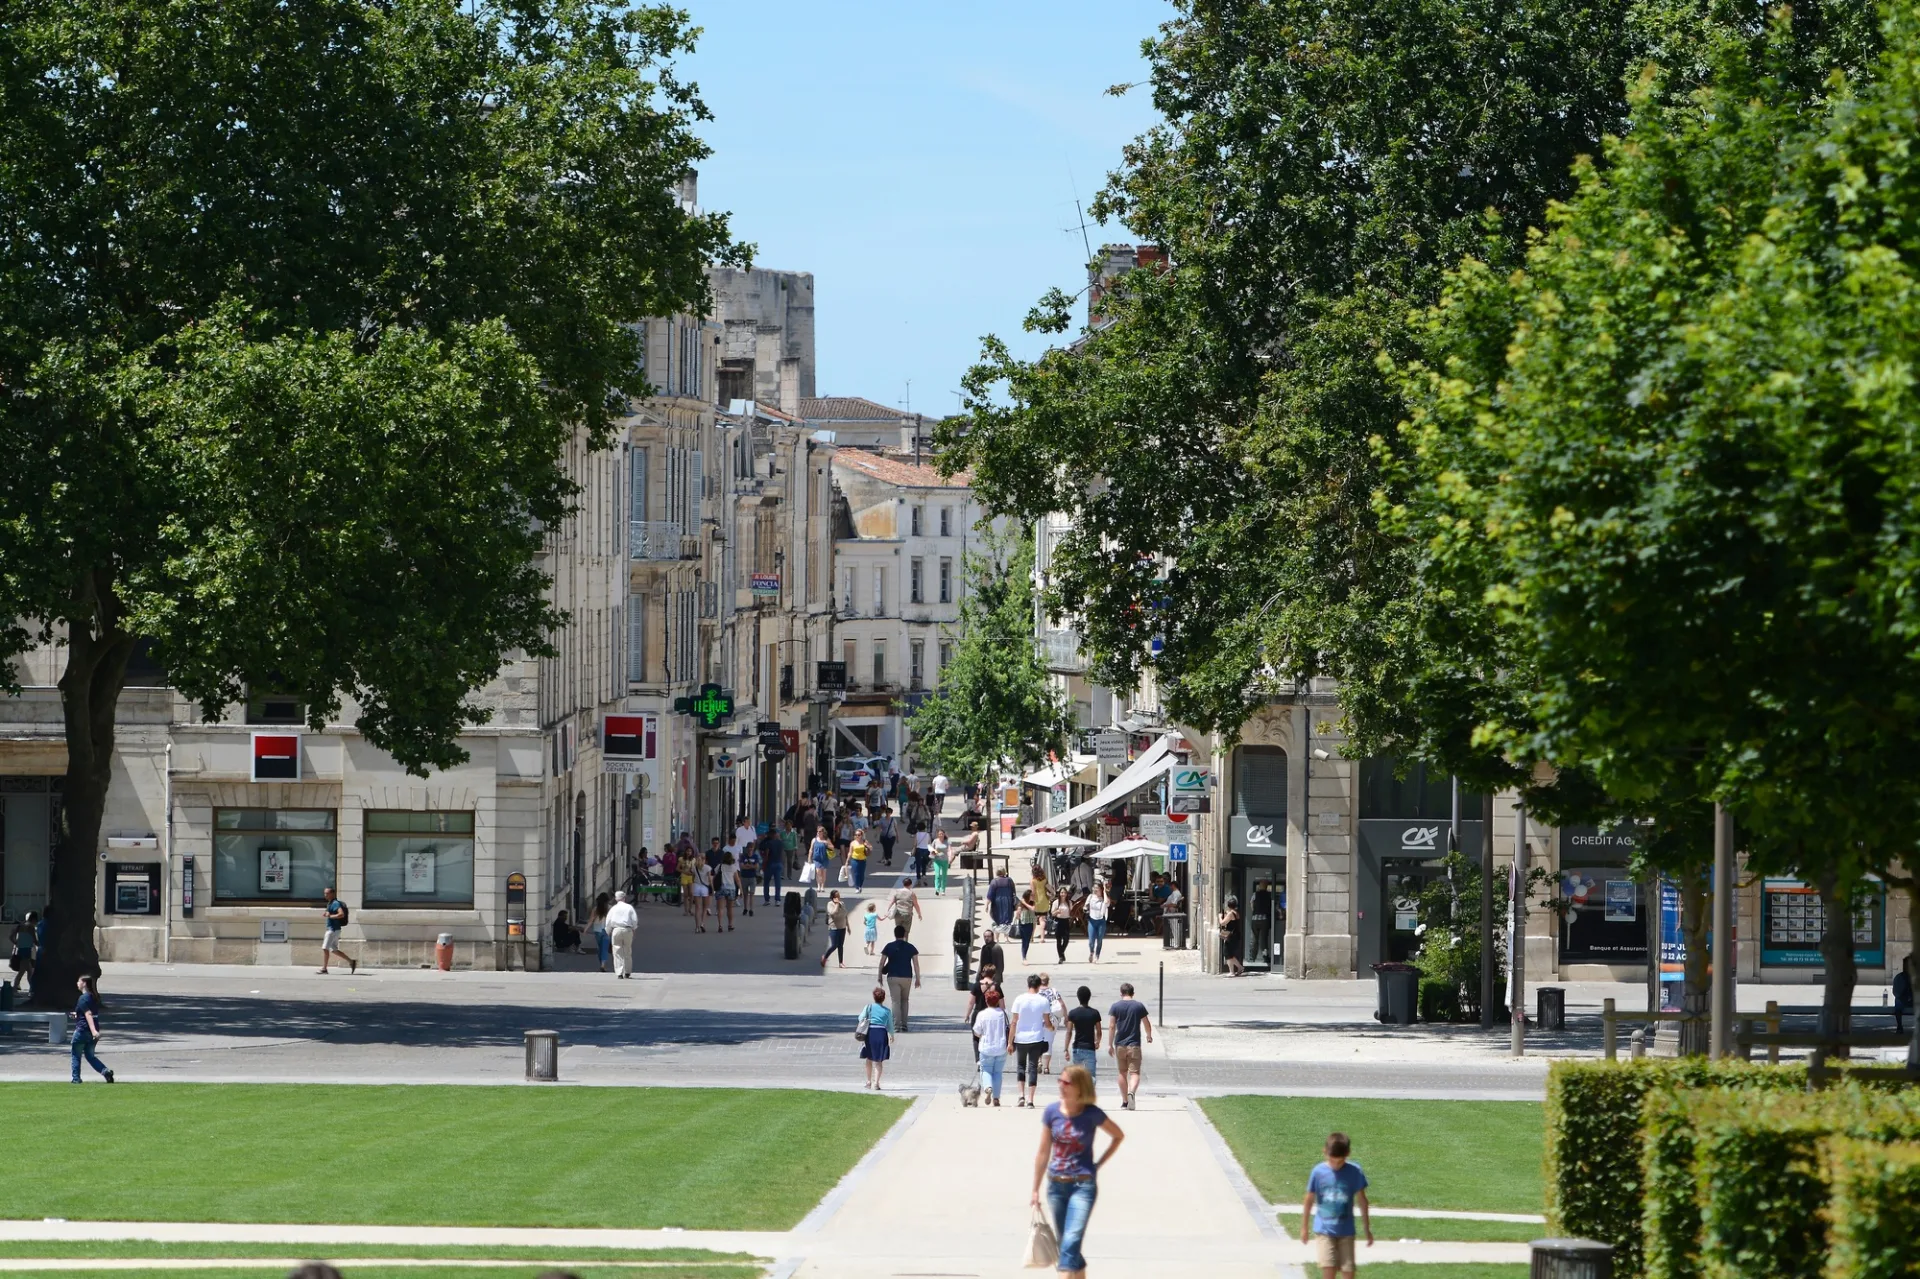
(918, 521)
(916, 661)
(916, 585)
(268, 856)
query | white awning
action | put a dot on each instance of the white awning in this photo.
(1061, 770)
(1130, 848)
(1153, 762)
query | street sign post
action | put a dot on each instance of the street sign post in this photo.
(1176, 852)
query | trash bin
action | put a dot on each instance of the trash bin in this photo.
(6, 997)
(1176, 932)
(962, 953)
(543, 1054)
(443, 953)
(1552, 1008)
(1398, 994)
(790, 905)
(1570, 1259)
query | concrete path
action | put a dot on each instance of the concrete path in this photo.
(943, 1194)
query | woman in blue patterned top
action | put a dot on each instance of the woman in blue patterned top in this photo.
(1066, 1164)
(877, 1044)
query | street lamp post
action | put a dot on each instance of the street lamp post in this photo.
(1517, 948)
(1720, 1026)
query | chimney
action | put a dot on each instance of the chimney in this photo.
(687, 190)
(1115, 260)
(790, 387)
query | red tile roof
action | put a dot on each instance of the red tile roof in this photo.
(891, 471)
(847, 408)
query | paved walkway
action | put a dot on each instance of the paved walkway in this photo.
(943, 1194)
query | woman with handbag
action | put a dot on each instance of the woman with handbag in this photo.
(1061, 920)
(856, 865)
(874, 1030)
(1023, 923)
(1065, 1165)
(990, 1029)
(836, 930)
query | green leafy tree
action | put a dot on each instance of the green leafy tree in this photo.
(995, 706)
(300, 307)
(1689, 468)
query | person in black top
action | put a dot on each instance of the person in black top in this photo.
(1083, 1023)
(1230, 938)
(86, 1030)
(990, 953)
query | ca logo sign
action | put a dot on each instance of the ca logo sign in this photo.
(1419, 839)
(1260, 836)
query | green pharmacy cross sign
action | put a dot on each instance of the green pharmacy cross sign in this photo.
(713, 707)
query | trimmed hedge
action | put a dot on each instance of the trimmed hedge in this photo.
(1738, 1181)
(1875, 1205)
(1593, 1140)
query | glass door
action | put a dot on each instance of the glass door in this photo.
(1263, 896)
(1403, 880)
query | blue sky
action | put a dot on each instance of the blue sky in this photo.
(921, 160)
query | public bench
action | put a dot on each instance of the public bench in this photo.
(56, 1024)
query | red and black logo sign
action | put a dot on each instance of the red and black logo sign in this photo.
(276, 757)
(631, 737)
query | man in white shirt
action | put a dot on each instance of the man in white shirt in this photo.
(940, 785)
(1032, 1015)
(743, 835)
(621, 921)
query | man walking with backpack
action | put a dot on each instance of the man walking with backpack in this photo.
(337, 917)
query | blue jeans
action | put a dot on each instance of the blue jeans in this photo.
(993, 1069)
(83, 1047)
(1096, 936)
(771, 889)
(1089, 1058)
(859, 871)
(1072, 1204)
(603, 942)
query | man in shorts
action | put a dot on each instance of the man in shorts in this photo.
(1127, 1019)
(1326, 1215)
(330, 941)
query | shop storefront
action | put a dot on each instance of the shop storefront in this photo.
(1606, 920)
(1404, 824)
(1793, 919)
(29, 824)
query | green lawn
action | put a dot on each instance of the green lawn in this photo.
(1479, 1156)
(1438, 1228)
(697, 1158)
(153, 1249)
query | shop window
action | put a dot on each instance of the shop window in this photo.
(1260, 781)
(418, 859)
(273, 856)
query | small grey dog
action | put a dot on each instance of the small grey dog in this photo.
(970, 1092)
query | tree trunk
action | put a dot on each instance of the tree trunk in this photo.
(1836, 951)
(89, 693)
(1696, 903)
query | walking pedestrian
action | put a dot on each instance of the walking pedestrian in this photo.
(887, 829)
(836, 930)
(819, 857)
(749, 874)
(1084, 1026)
(702, 893)
(870, 919)
(622, 919)
(1230, 939)
(904, 905)
(1000, 898)
(900, 965)
(990, 1043)
(773, 870)
(857, 853)
(1057, 1010)
(1097, 907)
(940, 786)
(1326, 1214)
(1023, 923)
(922, 853)
(1032, 1017)
(1067, 1166)
(21, 947)
(986, 983)
(336, 919)
(726, 888)
(875, 1029)
(597, 929)
(942, 861)
(684, 863)
(86, 1029)
(1061, 920)
(991, 954)
(1126, 1019)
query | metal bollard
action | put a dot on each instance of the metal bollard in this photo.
(1570, 1259)
(1638, 1040)
(543, 1055)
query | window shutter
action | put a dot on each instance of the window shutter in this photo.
(696, 487)
(636, 639)
(637, 484)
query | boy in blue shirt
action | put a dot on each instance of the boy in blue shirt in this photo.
(1326, 1216)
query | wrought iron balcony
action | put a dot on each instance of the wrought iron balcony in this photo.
(655, 539)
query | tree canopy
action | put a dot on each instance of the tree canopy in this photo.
(299, 308)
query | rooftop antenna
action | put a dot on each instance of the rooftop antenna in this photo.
(1079, 213)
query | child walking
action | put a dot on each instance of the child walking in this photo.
(873, 925)
(1326, 1215)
